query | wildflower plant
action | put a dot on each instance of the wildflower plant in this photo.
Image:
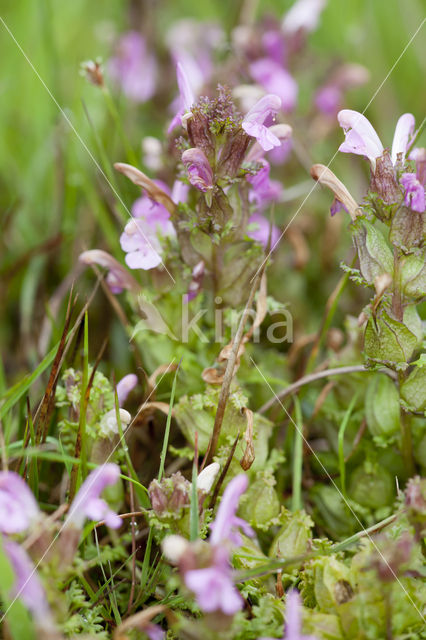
(188, 478)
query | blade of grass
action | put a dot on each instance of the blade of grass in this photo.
(296, 498)
(341, 442)
(147, 555)
(168, 422)
(193, 514)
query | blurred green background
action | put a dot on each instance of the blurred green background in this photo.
(53, 201)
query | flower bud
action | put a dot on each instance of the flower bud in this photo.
(407, 228)
(199, 133)
(207, 477)
(332, 582)
(108, 426)
(382, 409)
(371, 486)
(92, 69)
(200, 173)
(174, 547)
(170, 495)
(293, 539)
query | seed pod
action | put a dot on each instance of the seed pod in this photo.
(294, 537)
(260, 503)
(390, 341)
(413, 276)
(332, 586)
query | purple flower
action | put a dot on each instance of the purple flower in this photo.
(275, 80)
(186, 97)
(259, 229)
(200, 173)
(303, 16)
(18, 507)
(213, 586)
(154, 632)
(88, 504)
(125, 386)
(414, 192)
(253, 123)
(140, 238)
(117, 278)
(141, 244)
(196, 282)
(273, 43)
(293, 624)
(264, 190)
(28, 586)
(277, 154)
(226, 524)
(418, 154)
(328, 100)
(133, 68)
(360, 136)
(403, 132)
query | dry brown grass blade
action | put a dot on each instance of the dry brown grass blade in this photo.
(248, 455)
(223, 474)
(41, 419)
(141, 619)
(216, 374)
(78, 442)
(231, 368)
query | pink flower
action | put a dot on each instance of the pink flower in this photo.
(264, 190)
(196, 283)
(303, 15)
(18, 507)
(361, 137)
(403, 132)
(213, 586)
(125, 386)
(88, 504)
(253, 123)
(200, 173)
(293, 626)
(186, 97)
(140, 239)
(414, 192)
(133, 68)
(275, 80)
(259, 229)
(226, 524)
(328, 100)
(141, 244)
(28, 586)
